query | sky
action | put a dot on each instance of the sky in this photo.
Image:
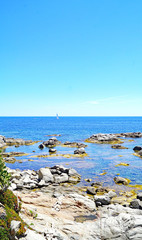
(74, 58)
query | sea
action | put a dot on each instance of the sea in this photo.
(99, 165)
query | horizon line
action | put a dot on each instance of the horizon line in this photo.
(71, 116)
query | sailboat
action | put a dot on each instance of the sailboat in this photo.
(57, 116)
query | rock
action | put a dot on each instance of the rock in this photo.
(137, 148)
(111, 194)
(79, 151)
(88, 203)
(88, 179)
(2, 145)
(102, 200)
(2, 211)
(10, 159)
(14, 227)
(67, 143)
(41, 146)
(32, 235)
(130, 135)
(52, 150)
(13, 186)
(139, 196)
(45, 174)
(20, 185)
(74, 180)
(72, 172)
(52, 142)
(81, 145)
(29, 142)
(91, 190)
(117, 146)
(136, 203)
(121, 180)
(103, 138)
(61, 178)
(74, 144)
(41, 183)
(96, 184)
(54, 139)
(140, 153)
(101, 190)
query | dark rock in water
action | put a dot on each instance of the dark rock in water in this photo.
(79, 151)
(52, 150)
(41, 146)
(140, 153)
(96, 184)
(121, 180)
(137, 148)
(52, 142)
(130, 135)
(10, 159)
(103, 138)
(67, 143)
(117, 146)
(74, 144)
(81, 145)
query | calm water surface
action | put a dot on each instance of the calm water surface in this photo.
(100, 157)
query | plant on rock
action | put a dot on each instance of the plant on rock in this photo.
(4, 176)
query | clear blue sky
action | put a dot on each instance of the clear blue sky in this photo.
(71, 57)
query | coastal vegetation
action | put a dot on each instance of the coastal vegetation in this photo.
(10, 206)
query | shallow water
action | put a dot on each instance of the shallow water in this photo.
(101, 157)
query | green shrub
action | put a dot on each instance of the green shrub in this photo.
(4, 176)
(12, 215)
(8, 198)
(3, 234)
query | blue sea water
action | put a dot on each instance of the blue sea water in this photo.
(100, 157)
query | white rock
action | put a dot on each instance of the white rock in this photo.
(45, 174)
(32, 235)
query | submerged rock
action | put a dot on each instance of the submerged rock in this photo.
(117, 146)
(74, 144)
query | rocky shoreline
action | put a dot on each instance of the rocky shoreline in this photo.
(55, 208)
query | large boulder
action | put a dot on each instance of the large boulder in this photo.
(45, 174)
